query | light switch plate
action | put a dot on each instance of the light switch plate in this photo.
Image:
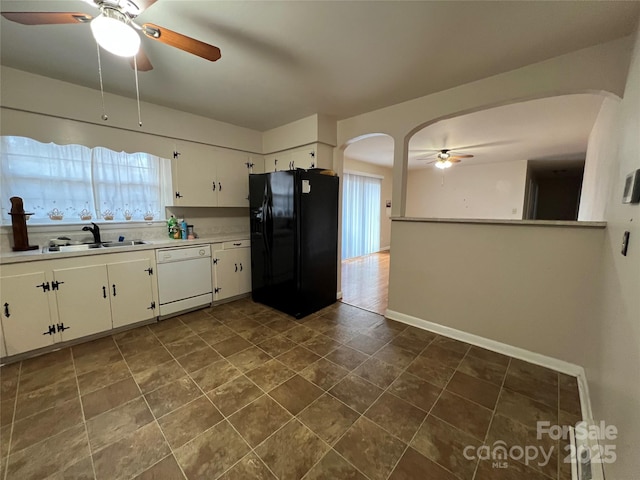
(625, 243)
(632, 188)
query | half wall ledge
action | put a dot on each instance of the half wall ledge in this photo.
(483, 221)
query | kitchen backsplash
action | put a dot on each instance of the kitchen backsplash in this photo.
(207, 222)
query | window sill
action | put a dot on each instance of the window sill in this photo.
(104, 225)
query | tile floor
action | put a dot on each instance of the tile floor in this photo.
(243, 392)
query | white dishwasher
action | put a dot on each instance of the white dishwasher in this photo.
(184, 278)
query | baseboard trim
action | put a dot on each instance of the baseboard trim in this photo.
(505, 349)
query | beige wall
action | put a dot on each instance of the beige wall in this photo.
(601, 152)
(612, 356)
(356, 166)
(34, 93)
(311, 129)
(488, 190)
(531, 287)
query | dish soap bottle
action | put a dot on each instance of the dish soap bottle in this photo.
(172, 226)
(183, 229)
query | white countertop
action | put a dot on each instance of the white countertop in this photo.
(535, 223)
(37, 255)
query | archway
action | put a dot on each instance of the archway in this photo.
(366, 226)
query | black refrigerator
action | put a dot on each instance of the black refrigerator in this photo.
(294, 240)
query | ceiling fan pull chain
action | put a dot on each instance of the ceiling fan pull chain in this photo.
(104, 113)
(135, 67)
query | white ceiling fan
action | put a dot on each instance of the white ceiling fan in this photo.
(444, 158)
(115, 30)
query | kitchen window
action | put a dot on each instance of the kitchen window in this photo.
(73, 183)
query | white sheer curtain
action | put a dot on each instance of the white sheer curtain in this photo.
(360, 215)
(130, 184)
(74, 183)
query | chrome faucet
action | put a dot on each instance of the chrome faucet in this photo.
(95, 231)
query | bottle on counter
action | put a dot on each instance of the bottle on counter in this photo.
(172, 226)
(183, 229)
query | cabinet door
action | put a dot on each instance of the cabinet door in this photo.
(233, 179)
(83, 300)
(243, 257)
(277, 162)
(25, 313)
(195, 179)
(270, 163)
(225, 273)
(256, 164)
(304, 158)
(131, 292)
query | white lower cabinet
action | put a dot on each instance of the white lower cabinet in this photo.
(25, 313)
(83, 301)
(59, 300)
(131, 292)
(231, 269)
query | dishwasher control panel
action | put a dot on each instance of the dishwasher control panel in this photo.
(166, 255)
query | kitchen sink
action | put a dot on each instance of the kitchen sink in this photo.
(73, 248)
(87, 246)
(124, 244)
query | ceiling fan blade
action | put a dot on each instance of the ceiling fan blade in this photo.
(144, 64)
(188, 44)
(460, 156)
(47, 18)
(454, 159)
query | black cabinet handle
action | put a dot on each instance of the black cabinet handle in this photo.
(51, 331)
(114, 289)
(104, 292)
(178, 195)
(214, 185)
(240, 267)
(219, 186)
(236, 266)
(6, 310)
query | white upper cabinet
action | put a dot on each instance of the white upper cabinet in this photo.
(194, 176)
(205, 176)
(304, 157)
(277, 162)
(316, 155)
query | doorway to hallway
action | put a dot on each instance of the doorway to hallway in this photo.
(365, 281)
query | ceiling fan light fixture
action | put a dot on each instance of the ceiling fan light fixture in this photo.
(442, 164)
(113, 33)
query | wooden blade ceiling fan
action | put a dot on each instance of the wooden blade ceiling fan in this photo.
(444, 158)
(116, 32)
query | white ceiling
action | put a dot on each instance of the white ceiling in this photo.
(284, 60)
(554, 128)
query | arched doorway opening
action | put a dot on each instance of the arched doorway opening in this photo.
(366, 226)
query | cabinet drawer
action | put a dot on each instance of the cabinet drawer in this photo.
(237, 244)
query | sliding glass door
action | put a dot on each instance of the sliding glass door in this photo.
(360, 215)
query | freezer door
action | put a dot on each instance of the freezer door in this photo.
(273, 238)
